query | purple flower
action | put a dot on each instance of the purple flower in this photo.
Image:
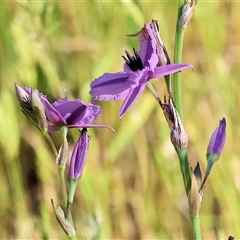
(63, 112)
(79, 154)
(217, 140)
(138, 70)
(71, 113)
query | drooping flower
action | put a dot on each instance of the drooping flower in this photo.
(79, 155)
(138, 70)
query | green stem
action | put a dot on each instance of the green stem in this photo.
(184, 165)
(178, 59)
(196, 227)
(154, 93)
(168, 83)
(51, 144)
(72, 237)
(61, 170)
(72, 189)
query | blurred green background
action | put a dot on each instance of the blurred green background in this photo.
(131, 187)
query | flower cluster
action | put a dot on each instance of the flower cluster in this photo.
(150, 62)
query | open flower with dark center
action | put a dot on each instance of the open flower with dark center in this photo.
(138, 70)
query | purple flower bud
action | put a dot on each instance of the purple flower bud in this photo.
(79, 154)
(217, 140)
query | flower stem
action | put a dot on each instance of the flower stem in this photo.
(51, 144)
(184, 165)
(168, 83)
(61, 170)
(178, 59)
(154, 93)
(177, 94)
(196, 227)
(72, 189)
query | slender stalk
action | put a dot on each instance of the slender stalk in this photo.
(72, 189)
(184, 165)
(204, 181)
(61, 170)
(154, 93)
(177, 94)
(169, 84)
(196, 227)
(178, 59)
(51, 144)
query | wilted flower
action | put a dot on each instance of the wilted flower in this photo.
(178, 135)
(217, 142)
(79, 155)
(138, 70)
(31, 105)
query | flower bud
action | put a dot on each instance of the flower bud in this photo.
(216, 145)
(64, 223)
(79, 155)
(187, 12)
(31, 105)
(178, 134)
(217, 142)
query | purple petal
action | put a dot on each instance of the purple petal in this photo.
(148, 48)
(110, 84)
(52, 114)
(132, 98)
(169, 69)
(139, 77)
(75, 111)
(115, 97)
(89, 114)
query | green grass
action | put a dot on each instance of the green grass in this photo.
(131, 187)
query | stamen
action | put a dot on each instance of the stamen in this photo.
(133, 62)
